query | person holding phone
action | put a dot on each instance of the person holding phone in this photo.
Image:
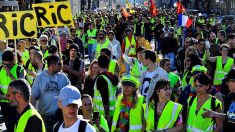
(95, 119)
(128, 115)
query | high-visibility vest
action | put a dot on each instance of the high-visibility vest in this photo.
(24, 119)
(91, 34)
(25, 56)
(128, 44)
(99, 47)
(135, 124)
(142, 28)
(98, 103)
(174, 78)
(184, 82)
(46, 54)
(136, 69)
(112, 66)
(5, 79)
(221, 71)
(103, 123)
(30, 78)
(195, 122)
(204, 57)
(168, 117)
(202, 21)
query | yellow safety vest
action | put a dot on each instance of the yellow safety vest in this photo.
(25, 56)
(46, 54)
(184, 82)
(98, 103)
(168, 117)
(220, 71)
(128, 44)
(24, 119)
(99, 47)
(112, 65)
(135, 124)
(91, 34)
(5, 79)
(136, 69)
(195, 122)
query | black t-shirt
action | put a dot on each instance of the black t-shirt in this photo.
(229, 123)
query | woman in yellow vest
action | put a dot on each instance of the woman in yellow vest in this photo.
(99, 122)
(128, 115)
(162, 114)
(223, 65)
(196, 105)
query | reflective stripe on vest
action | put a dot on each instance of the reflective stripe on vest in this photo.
(168, 117)
(196, 121)
(24, 119)
(112, 66)
(135, 124)
(91, 34)
(128, 44)
(98, 104)
(99, 47)
(220, 71)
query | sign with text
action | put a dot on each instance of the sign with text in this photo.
(19, 24)
(53, 14)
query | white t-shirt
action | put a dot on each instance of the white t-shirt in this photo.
(74, 127)
(161, 74)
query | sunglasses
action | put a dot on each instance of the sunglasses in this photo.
(44, 40)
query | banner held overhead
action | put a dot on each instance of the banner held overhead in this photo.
(18, 24)
(53, 14)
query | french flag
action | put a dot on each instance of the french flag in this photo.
(185, 21)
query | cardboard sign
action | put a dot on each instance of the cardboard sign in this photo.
(19, 24)
(53, 14)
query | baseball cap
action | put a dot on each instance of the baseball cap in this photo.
(130, 80)
(70, 95)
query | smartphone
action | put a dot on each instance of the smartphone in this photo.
(96, 115)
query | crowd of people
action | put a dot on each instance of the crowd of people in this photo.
(45, 87)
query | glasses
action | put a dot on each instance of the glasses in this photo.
(13, 93)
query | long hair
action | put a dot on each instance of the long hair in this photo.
(90, 67)
(136, 94)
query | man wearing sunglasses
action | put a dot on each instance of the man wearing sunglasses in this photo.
(9, 71)
(46, 87)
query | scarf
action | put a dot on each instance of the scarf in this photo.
(126, 105)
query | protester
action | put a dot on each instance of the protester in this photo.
(28, 118)
(46, 87)
(69, 102)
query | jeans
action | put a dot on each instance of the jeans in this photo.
(49, 121)
(90, 52)
(171, 56)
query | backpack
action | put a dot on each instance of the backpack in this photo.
(81, 128)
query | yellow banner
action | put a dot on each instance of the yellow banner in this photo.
(53, 14)
(18, 24)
